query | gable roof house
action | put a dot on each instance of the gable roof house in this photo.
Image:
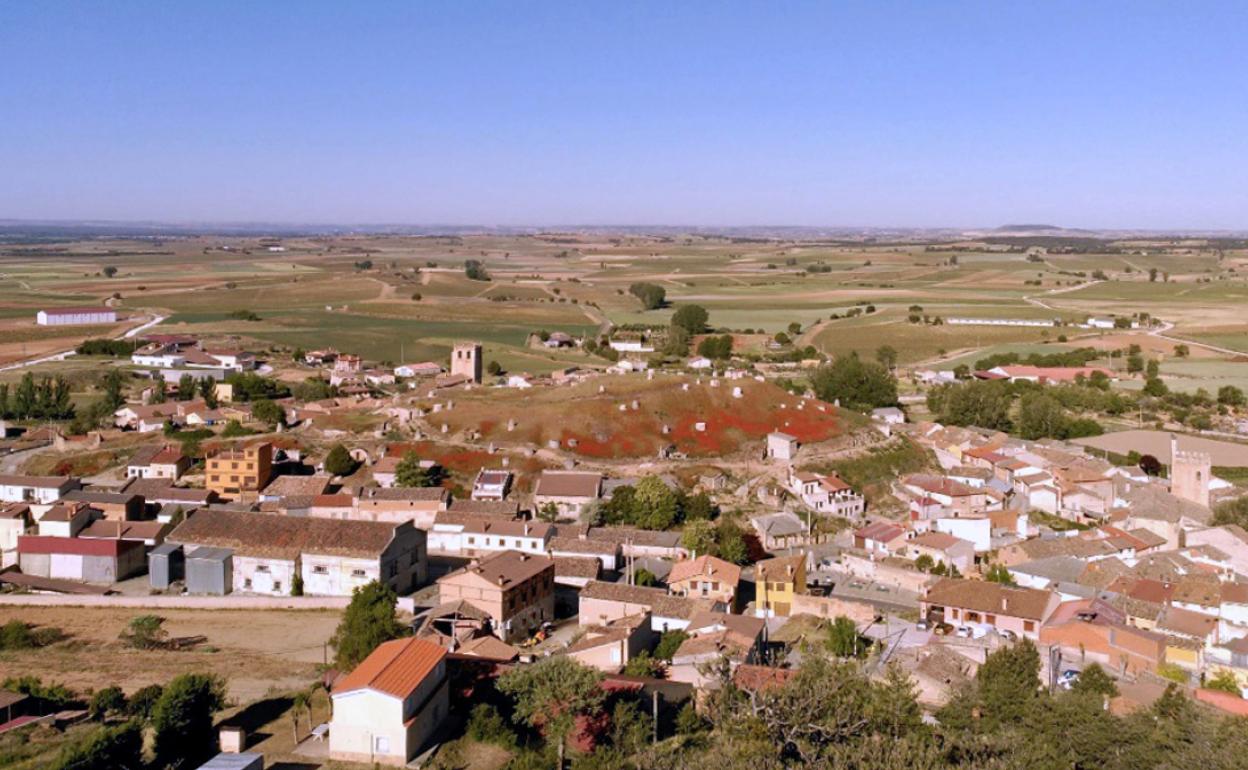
(609, 647)
(1022, 611)
(568, 491)
(517, 591)
(707, 577)
(601, 602)
(387, 708)
(473, 535)
(158, 462)
(332, 556)
(40, 490)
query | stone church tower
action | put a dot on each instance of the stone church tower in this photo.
(466, 360)
(1190, 473)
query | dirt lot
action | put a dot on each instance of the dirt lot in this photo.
(256, 651)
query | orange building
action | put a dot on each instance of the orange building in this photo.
(234, 473)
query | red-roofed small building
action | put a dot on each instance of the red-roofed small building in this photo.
(78, 558)
(386, 709)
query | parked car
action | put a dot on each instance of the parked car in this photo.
(964, 632)
(1008, 635)
(1067, 679)
(922, 625)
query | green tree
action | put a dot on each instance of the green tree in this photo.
(186, 387)
(1154, 386)
(368, 621)
(642, 664)
(107, 700)
(410, 473)
(691, 318)
(843, 640)
(268, 411)
(145, 632)
(893, 708)
(1229, 395)
(677, 342)
(645, 578)
(1008, 683)
(698, 537)
(494, 368)
(1223, 681)
(887, 356)
(652, 296)
(143, 700)
(856, 384)
(551, 694)
(1095, 681)
(998, 573)
(1231, 512)
(669, 643)
(182, 718)
(548, 513)
(985, 404)
(208, 392)
(338, 461)
(689, 721)
(657, 504)
(114, 398)
(1040, 416)
(160, 391)
(730, 543)
(104, 748)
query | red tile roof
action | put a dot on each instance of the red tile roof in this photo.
(47, 544)
(395, 668)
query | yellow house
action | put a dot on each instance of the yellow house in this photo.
(776, 582)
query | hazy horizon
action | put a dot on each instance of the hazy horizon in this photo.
(963, 115)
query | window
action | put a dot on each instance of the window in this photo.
(247, 583)
(277, 586)
(320, 569)
(359, 573)
(381, 744)
(262, 568)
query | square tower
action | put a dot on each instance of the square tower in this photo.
(1190, 474)
(466, 360)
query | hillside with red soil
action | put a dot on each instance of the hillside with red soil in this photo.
(628, 419)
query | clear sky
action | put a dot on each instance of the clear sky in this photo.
(929, 113)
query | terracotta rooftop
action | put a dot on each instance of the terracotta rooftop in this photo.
(658, 600)
(705, 566)
(506, 568)
(283, 537)
(992, 598)
(568, 484)
(39, 482)
(395, 668)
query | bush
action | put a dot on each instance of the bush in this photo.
(486, 725)
(339, 461)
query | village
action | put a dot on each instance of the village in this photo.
(692, 533)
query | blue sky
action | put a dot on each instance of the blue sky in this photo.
(1101, 114)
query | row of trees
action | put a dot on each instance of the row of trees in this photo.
(179, 717)
(1041, 412)
(45, 399)
(651, 504)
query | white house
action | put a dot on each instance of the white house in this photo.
(386, 709)
(331, 556)
(781, 446)
(43, 490)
